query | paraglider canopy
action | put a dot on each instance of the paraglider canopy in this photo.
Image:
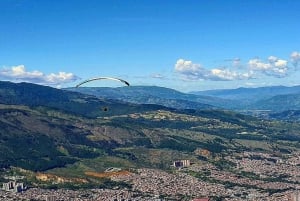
(103, 78)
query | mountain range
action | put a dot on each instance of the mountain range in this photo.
(250, 93)
(44, 128)
(276, 99)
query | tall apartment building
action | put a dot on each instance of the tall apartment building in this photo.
(51, 198)
(181, 163)
(13, 186)
(295, 196)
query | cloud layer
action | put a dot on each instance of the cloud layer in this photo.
(272, 66)
(19, 73)
(295, 58)
(190, 71)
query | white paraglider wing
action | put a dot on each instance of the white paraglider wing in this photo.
(103, 78)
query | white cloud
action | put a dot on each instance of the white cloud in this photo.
(158, 76)
(187, 66)
(256, 64)
(281, 63)
(60, 77)
(190, 71)
(236, 62)
(226, 74)
(295, 58)
(272, 59)
(19, 73)
(274, 67)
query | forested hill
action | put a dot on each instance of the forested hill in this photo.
(155, 95)
(274, 99)
(88, 105)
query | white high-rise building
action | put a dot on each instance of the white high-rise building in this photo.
(295, 196)
(181, 163)
(13, 186)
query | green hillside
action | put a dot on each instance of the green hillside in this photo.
(76, 103)
(154, 95)
(279, 103)
(43, 138)
(69, 133)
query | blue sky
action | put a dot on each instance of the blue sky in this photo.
(188, 45)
